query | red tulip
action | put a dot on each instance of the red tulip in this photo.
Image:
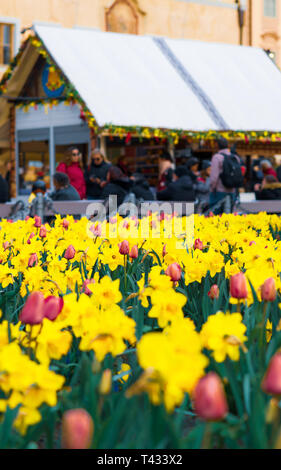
(252, 243)
(271, 382)
(268, 290)
(174, 271)
(214, 292)
(69, 252)
(33, 310)
(209, 398)
(124, 247)
(134, 253)
(43, 231)
(238, 286)
(38, 221)
(52, 307)
(164, 251)
(33, 260)
(198, 244)
(77, 429)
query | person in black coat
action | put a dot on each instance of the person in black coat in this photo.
(270, 189)
(118, 184)
(141, 188)
(181, 189)
(192, 165)
(4, 190)
(63, 189)
(95, 175)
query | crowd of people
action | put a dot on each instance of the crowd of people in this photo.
(207, 181)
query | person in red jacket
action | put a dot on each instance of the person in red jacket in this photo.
(73, 168)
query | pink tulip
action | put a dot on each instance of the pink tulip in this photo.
(37, 222)
(268, 290)
(70, 252)
(198, 244)
(65, 224)
(214, 292)
(52, 307)
(77, 429)
(164, 251)
(271, 382)
(96, 230)
(238, 286)
(174, 271)
(134, 253)
(124, 247)
(43, 231)
(6, 245)
(33, 310)
(209, 398)
(33, 260)
(85, 288)
(30, 237)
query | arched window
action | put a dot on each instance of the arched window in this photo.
(121, 17)
(269, 8)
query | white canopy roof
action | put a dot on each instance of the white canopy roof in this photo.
(129, 80)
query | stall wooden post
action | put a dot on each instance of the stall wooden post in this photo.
(93, 142)
(13, 183)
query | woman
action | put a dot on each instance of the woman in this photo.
(96, 175)
(269, 190)
(166, 171)
(73, 169)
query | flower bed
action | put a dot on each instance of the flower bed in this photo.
(132, 334)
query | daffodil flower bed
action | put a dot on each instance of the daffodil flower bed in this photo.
(155, 338)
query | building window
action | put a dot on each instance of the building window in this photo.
(270, 8)
(6, 43)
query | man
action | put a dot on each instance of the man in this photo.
(217, 188)
(96, 175)
(63, 189)
(181, 189)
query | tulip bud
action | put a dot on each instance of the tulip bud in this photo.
(30, 236)
(85, 288)
(209, 398)
(214, 292)
(174, 271)
(33, 310)
(198, 244)
(65, 224)
(164, 251)
(27, 218)
(37, 222)
(6, 245)
(238, 286)
(43, 231)
(69, 252)
(106, 382)
(252, 243)
(52, 307)
(33, 260)
(77, 429)
(134, 253)
(268, 290)
(124, 247)
(271, 382)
